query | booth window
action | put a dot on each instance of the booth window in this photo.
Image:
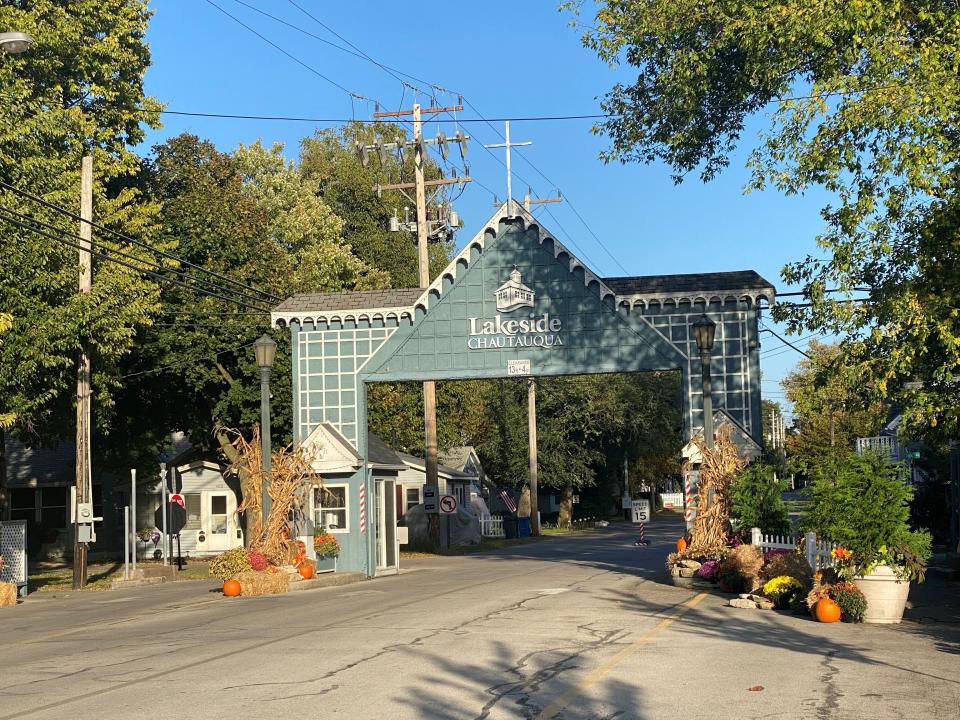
(330, 508)
(413, 497)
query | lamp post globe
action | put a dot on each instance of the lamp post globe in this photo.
(265, 350)
(15, 43)
(704, 330)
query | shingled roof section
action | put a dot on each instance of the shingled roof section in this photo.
(359, 300)
(688, 283)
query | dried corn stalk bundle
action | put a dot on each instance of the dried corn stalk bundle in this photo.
(290, 479)
(720, 466)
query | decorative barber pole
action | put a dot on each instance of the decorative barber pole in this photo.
(689, 488)
(363, 507)
(643, 539)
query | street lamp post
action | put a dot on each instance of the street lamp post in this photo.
(265, 349)
(704, 330)
(15, 43)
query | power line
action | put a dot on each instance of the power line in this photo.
(62, 238)
(121, 253)
(288, 54)
(186, 362)
(133, 241)
(786, 342)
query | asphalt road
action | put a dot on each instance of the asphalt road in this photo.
(577, 627)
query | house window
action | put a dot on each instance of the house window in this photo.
(413, 497)
(330, 508)
(23, 504)
(53, 508)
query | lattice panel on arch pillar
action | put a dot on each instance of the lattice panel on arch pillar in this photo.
(327, 375)
(13, 548)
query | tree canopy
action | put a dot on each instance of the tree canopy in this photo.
(862, 99)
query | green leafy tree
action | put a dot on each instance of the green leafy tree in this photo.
(67, 97)
(829, 414)
(862, 98)
(251, 216)
(758, 501)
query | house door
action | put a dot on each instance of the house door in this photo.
(218, 521)
(386, 524)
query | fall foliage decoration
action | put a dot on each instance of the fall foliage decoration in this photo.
(719, 466)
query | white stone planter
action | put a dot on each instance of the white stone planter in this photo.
(886, 595)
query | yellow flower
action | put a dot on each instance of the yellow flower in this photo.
(781, 585)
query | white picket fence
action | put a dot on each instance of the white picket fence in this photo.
(817, 551)
(491, 526)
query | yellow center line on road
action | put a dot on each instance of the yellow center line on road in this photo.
(554, 708)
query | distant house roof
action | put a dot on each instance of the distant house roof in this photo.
(456, 457)
(716, 282)
(39, 467)
(381, 455)
(412, 461)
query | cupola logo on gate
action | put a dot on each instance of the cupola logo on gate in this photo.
(513, 294)
(532, 331)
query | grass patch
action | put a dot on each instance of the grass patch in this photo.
(196, 571)
(99, 578)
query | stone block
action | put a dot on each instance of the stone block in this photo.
(690, 564)
(687, 572)
(742, 603)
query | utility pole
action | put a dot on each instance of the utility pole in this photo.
(532, 431)
(83, 475)
(529, 202)
(423, 263)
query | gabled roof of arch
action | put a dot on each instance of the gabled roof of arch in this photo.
(631, 290)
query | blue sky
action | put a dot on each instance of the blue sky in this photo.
(509, 59)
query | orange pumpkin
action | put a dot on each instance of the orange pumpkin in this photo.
(231, 588)
(681, 545)
(827, 611)
(305, 570)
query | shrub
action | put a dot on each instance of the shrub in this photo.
(792, 565)
(230, 564)
(782, 589)
(851, 601)
(709, 570)
(862, 503)
(757, 500)
(258, 561)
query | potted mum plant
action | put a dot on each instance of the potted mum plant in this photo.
(862, 503)
(327, 549)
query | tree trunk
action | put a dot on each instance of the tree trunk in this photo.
(251, 516)
(566, 507)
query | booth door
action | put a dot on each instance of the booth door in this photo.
(385, 508)
(219, 520)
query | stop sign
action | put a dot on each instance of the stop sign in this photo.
(176, 517)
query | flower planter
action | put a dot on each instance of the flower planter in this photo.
(325, 565)
(886, 595)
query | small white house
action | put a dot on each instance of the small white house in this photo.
(210, 498)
